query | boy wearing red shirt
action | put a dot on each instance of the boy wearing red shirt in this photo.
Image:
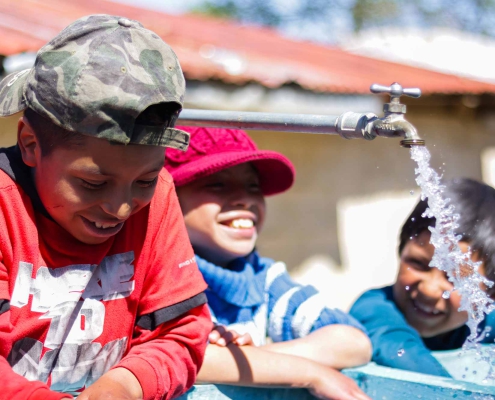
(99, 293)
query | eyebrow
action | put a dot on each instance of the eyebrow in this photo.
(92, 170)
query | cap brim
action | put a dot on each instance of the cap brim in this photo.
(12, 87)
(175, 139)
(275, 171)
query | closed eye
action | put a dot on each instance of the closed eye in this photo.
(255, 187)
(417, 264)
(148, 183)
(92, 186)
(215, 185)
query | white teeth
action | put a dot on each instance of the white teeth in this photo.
(427, 309)
(104, 226)
(242, 223)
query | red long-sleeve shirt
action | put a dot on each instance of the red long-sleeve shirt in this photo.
(76, 310)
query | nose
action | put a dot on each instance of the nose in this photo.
(242, 197)
(119, 205)
(434, 285)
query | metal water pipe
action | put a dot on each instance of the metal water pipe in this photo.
(349, 125)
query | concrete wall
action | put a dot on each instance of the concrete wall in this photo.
(8, 130)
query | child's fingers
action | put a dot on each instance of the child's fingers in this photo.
(214, 336)
(244, 340)
(221, 336)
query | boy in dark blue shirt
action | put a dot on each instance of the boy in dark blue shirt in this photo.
(419, 312)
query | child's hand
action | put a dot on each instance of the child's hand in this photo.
(116, 384)
(332, 384)
(222, 336)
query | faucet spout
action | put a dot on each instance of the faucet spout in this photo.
(395, 125)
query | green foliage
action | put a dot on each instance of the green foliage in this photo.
(228, 9)
(376, 12)
(477, 16)
(255, 11)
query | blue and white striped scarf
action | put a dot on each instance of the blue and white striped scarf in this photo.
(256, 295)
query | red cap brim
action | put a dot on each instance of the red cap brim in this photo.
(275, 171)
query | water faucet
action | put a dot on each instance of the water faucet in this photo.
(349, 125)
(393, 124)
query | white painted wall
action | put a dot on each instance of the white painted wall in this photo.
(368, 230)
(488, 165)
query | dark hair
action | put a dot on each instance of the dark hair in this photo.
(51, 136)
(475, 203)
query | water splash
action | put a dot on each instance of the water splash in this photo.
(448, 257)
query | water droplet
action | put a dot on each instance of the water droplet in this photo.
(467, 368)
(411, 192)
(475, 372)
(446, 294)
(463, 376)
(407, 288)
(400, 352)
(413, 219)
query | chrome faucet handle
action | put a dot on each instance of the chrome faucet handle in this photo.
(395, 90)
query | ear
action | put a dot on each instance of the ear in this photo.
(28, 143)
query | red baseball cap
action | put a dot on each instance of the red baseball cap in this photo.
(215, 149)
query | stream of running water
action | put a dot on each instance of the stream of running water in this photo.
(462, 272)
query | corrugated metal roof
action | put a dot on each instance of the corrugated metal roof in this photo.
(211, 48)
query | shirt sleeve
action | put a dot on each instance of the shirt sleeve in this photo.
(173, 275)
(167, 359)
(395, 343)
(295, 310)
(173, 320)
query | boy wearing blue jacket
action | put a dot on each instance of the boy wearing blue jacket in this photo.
(221, 182)
(420, 313)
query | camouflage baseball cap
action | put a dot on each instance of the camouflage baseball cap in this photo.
(96, 77)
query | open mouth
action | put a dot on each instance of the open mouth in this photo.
(426, 310)
(103, 225)
(240, 223)
(102, 228)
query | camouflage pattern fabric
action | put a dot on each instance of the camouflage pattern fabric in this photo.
(96, 77)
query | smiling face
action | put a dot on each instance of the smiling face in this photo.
(419, 290)
(92, 188)
(224, 213)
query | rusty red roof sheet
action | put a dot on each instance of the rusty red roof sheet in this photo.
(210, 48)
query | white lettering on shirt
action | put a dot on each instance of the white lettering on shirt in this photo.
(187, 262)
(71, 297)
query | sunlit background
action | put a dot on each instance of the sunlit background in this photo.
(337, 227)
